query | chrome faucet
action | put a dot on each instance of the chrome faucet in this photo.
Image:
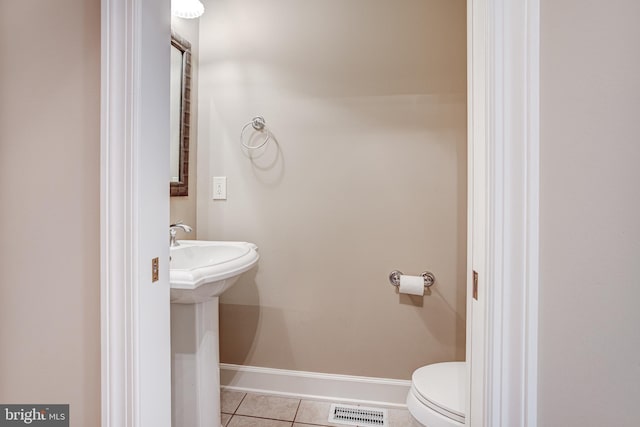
(173, 231)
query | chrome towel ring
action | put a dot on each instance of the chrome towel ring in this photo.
(259, 124)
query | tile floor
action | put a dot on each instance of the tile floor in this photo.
(257, 410)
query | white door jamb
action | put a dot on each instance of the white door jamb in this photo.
(512, 196)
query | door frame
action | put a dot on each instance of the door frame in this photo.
(511, 107)
(503, 70)
(134, 215)
(117, 277)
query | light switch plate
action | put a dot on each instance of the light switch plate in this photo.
(219, 188)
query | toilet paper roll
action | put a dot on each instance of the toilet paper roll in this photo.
(412, 285)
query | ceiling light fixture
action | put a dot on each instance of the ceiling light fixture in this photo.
(188, 9)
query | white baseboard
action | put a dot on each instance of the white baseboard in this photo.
(315, 386)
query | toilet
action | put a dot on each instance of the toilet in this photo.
(437, 395)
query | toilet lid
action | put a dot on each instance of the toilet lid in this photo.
(443, 385)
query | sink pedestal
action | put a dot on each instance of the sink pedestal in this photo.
(199, 272)
(195, 364)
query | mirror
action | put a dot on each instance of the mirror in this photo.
(180, 98)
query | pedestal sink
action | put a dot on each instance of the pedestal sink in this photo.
(199, 272)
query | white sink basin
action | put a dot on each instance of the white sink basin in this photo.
(200, 271)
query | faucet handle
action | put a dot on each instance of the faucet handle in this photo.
(173, 232)
(180, 225)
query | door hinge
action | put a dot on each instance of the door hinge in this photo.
(155, 269)
(475, 285)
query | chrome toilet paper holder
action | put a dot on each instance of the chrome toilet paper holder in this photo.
(429, 278)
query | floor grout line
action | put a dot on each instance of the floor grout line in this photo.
(263, 418)
(296, 414)
(240, 403)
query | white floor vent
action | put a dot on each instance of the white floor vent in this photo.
(358, 416)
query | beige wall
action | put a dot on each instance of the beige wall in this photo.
(366, 174)
(184, 208)
(590, 210)
(49, 205)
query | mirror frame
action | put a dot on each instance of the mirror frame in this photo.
(181, 187)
